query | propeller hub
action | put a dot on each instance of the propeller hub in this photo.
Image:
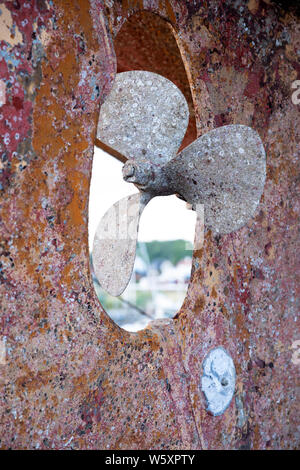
(136, 172)
(147, 177)
(128, 170)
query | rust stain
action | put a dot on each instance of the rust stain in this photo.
(69, 371)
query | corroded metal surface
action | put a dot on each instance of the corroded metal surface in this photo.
(70, 378)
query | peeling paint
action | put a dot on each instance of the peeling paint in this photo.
(9, 32)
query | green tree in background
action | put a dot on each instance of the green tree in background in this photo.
(173, 250)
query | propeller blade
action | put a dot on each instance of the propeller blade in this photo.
(225, 170)
(144, 117)
(115, 242)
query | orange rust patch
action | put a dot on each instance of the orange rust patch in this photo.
(198, 253)
(214, 293)
(199, 304)
(170, 12)
(224, 310)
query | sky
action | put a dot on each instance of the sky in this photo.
(164, 218)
